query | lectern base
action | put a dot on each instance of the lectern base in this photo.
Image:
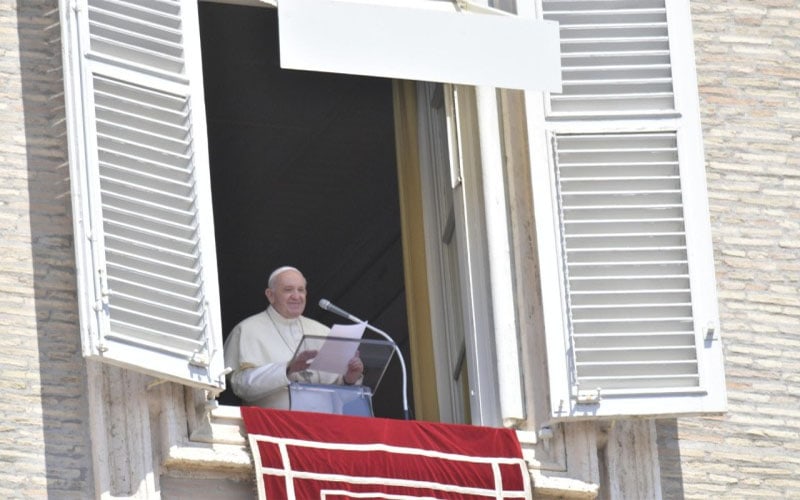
(325, 398)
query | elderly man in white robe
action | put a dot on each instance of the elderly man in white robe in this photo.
(261, 347)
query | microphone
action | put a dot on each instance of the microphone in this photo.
(328, 306)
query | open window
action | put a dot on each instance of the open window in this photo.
(144, 232)
(303, 172)
(618, 189)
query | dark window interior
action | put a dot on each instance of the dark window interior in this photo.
(303, 173)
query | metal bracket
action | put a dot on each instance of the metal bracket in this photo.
(712, 332)
(155, 383)
(545, 433)
(223, 374)
(469, 6)
(199, 359)
(589, 396)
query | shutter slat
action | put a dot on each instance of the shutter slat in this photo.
(125, 145)
(178, 319)
(136, 56)
(588, 270)
(145, 168)
(589, 315)
(638, 296)
(637, 340)
(148, 262)
(605, 47)
(152, 10)
(130, 126)
(158, 294)
(600, 16)
(116, 202)
(145, 152)
(634, 326)
(572, 60)
(135, 219)
(150, 44)
(633, 369)
(592, 5)
(145, 100)
(136, 176)
(161, 138)
(617, 284)
(595, 256)
(160, 25)
(176, 200)
(186, 289)
(650, 385)
(170, 250)
(151, 339)
(634, 354)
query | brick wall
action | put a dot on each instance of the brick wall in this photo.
(748, 58)
(44, 444)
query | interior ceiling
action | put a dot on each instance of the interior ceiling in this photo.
(303, 173)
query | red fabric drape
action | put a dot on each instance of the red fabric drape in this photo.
(306, 455)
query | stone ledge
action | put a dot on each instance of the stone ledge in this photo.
(562, 488)
(224, 459)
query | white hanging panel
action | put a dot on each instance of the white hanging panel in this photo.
(615, 57)
(626, 262)
(428, 44)
(153, 268)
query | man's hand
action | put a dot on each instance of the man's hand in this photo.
(355, 368)
(300, 362)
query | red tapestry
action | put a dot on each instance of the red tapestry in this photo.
(303, 455)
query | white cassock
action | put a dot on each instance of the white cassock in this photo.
(259, 348)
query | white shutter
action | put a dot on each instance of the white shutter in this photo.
(636, 330)
(140, 183)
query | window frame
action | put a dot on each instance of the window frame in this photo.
(90, 246)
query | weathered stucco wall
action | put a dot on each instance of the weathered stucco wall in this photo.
(748, 62)
(44, 443)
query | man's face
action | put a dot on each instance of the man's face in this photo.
(288, 296)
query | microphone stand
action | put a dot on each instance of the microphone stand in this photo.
(406, 414)
(326, 305)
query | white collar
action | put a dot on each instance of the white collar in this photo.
(279, 319)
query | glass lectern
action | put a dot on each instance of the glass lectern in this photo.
(333, 353)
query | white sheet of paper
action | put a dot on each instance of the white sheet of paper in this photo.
(334, 355)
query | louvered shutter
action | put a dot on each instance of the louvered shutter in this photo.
(140, 185)
(636, 332)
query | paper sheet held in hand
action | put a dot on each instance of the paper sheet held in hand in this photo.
(334, 354)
